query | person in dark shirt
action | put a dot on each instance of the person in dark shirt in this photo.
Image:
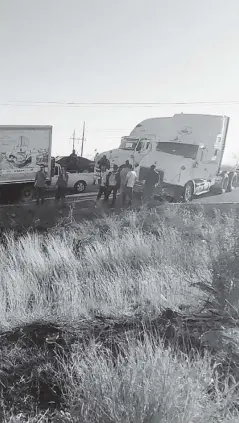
(72, 161)
(73, 154)
(152, 178)
(40, 185)
(61, 185)
(123, 166)
(104, 162)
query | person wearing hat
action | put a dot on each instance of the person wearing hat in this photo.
(40, 184)
(152, 178)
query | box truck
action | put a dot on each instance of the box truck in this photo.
(189, 156)
(22, 150)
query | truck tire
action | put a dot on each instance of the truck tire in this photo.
(80, 187)
(188, 192)
(224, 185)
(232, 184)
(27, 193)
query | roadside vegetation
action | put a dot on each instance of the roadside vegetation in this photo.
(125, 319)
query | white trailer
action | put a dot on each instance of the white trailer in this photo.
(22, 150)
(189, 156)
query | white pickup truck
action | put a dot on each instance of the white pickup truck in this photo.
(77, 182)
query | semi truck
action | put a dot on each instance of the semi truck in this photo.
(133, 147)
(191, 156)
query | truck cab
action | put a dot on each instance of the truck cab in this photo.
(131, 148)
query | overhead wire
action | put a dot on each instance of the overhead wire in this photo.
(117, 104)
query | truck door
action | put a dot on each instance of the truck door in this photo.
(142, 148)
(54, 178)
(205, 165)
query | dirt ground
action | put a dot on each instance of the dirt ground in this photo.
(25, 217)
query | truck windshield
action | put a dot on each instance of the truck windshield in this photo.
(128, 144)
(188, 151)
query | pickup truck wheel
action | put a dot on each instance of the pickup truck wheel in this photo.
(188, 192)
(232, 184)
(80, 187)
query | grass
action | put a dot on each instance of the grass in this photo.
(129, 318)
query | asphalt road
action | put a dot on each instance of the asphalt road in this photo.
(83, 206)
(90, 196)
(228, 197)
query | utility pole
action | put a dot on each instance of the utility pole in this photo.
(83, 140)
(73, 138)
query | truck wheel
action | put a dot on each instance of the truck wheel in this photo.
(188, 192)
(27, 194)
(79, 187)
(224, 186)
(232, 184)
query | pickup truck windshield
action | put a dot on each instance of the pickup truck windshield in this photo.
(188, 151)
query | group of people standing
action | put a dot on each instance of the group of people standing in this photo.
(121, 179)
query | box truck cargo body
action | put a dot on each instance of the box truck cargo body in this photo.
(22, 150)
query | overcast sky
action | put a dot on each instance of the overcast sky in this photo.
(116, 51)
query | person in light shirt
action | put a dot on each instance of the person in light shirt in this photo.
(131, 178)
(103, 184)
(113, 183)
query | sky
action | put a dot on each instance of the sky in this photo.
(127, 51)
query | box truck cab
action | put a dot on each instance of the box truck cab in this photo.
(189, 157)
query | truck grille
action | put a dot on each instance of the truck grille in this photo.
(143, 173)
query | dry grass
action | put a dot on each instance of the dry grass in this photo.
(129, 266)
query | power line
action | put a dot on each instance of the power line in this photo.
(117, 104)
